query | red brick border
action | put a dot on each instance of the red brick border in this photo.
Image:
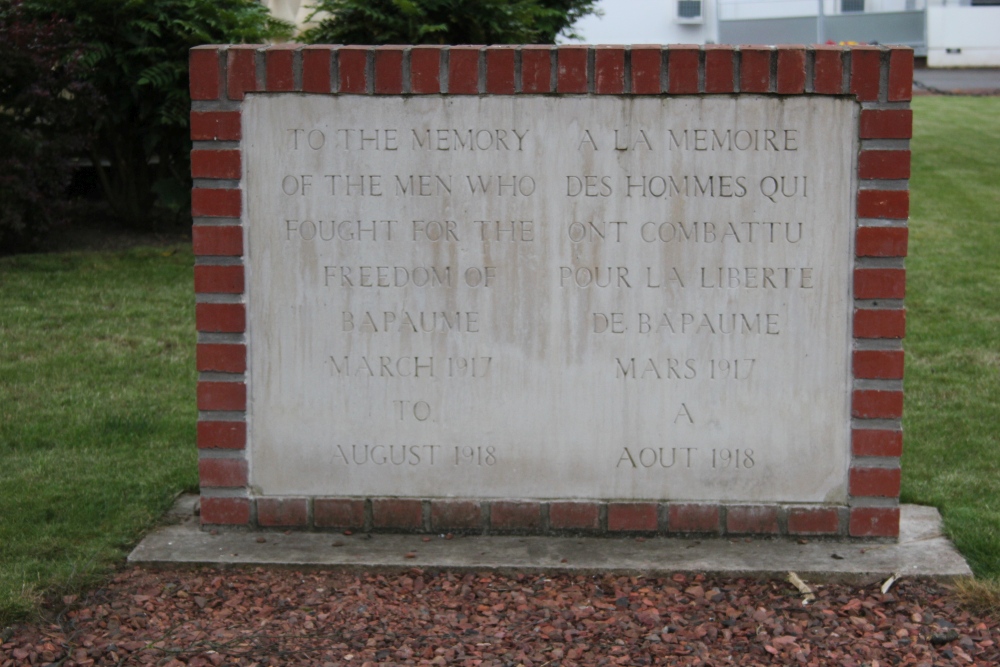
(575, 516)
(813, 521)
(464, 515)
(283, 512)
(516, 516)
(694, 518)
(752, 519)
(633, 517)
(397, 513)
(879, 78)
(338, 513)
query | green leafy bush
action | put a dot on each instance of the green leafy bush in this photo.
(445, 21)
(136, 57)
(42, 100)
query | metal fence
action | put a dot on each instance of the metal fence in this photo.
(888, 28)
(804, 22)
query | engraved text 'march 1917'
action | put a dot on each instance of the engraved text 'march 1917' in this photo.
(530, 289)
(542, 297)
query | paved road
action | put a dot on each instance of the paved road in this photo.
(957, 80)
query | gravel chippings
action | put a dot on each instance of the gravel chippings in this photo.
(209, 617)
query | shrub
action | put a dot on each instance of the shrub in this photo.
(136, 57)
(42, 104)
(445, 21)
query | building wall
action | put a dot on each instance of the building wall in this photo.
(646, 22)
(963, 36)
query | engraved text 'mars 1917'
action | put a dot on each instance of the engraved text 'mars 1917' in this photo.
(532, 297)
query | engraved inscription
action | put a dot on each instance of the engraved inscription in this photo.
(556, 297)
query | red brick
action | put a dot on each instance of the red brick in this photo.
(682, 69)
(222, 435)
(720, 76)
(536, 69)
(881, 242)
(609, 70)
(878, 364)
(900, 74)
(282, 512)
(225, 511)
(316, 69)
(632, 517)
(425, 69)
(397, 513)
(203, 66)
(574, 516)
(278, 71)
(220, 317)
(512, 515)
(222, 396)
(755, 69)
(876, 442)
(873, 323)
(876, 404)
(353, 68)
(456, 515)
(224, 240)
(886, 123)
(874, 522)
(500, 70)
(222, 472)
(884, 164)
(813, 521)
(693, 518)
(216, 203)
(647, 63)
(865, 72)
(241, 71)
(891, 204)
(463, 70)
(221, 357)
(791, 70)
(388, 70)
(215, 164)
(875, 482)
(339, 513)
(879, 283)
(571, 70)
(828, 70)
(218, 279)
(215, 126)
(752, 519)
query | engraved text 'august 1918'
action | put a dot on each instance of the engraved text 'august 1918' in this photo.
(544, 297)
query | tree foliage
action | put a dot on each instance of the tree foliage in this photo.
(446, 21)
(136, 56)
(43, 101)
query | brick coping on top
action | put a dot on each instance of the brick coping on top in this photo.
(879, 78)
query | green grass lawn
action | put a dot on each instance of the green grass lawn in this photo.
(952, 413)
(97, 412)
(97, 380)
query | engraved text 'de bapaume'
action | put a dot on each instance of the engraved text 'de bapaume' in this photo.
(538, 297)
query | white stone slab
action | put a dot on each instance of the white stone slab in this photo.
(586, 297)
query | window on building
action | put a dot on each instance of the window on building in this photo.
(688, 9)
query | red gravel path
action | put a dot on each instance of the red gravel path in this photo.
(277, 617)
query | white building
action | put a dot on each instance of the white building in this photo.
(951, 33)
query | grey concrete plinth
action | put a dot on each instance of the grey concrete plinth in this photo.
(922, 551)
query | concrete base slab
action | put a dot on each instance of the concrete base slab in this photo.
(922, 551)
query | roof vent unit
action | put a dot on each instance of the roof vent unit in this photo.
(689, 11)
